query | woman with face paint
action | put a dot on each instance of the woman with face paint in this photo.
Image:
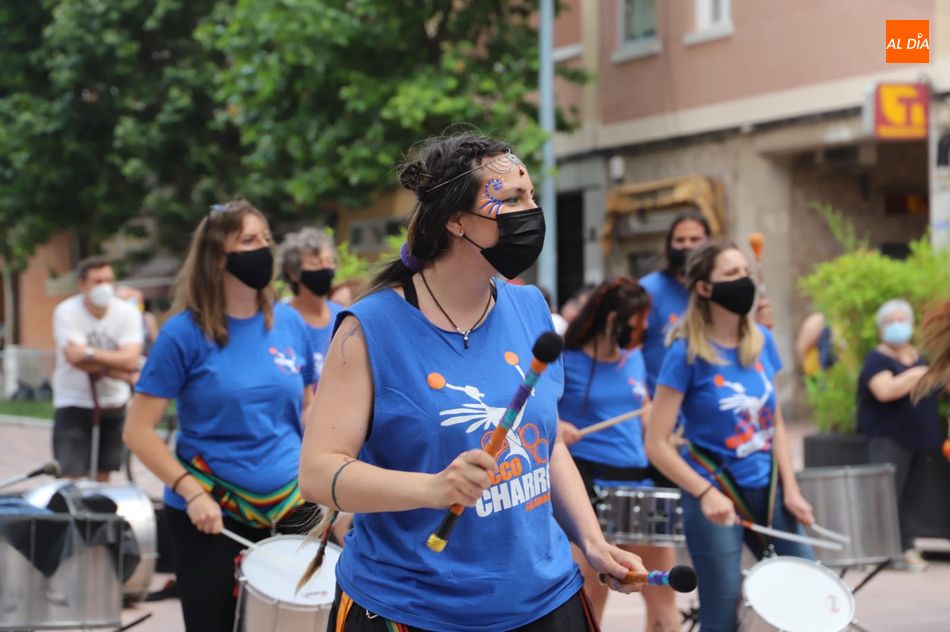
(604, 376)
(720, 373)
(308, 263)
(418, 375)
(900, 431)
(241, 369)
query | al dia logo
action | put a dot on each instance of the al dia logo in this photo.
(907, 41)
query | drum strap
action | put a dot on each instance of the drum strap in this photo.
(262, 511)
(719, 473)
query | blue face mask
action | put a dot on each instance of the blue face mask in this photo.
(897, 333)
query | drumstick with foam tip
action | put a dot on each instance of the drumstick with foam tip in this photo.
(680, 578)
(613, 421)
(546, 349)
(757, 243)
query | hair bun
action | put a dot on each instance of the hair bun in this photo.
(414, 176)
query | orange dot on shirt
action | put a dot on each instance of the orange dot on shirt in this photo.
(674, 318)
(758, 366)
(436, 381)
(511, 358)
(272, 350)
(719, 380)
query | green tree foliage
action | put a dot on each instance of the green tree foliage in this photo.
(108, 116)
(849, 290)
(328, 95)
(118, 109)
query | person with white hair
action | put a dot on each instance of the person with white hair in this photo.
(308, 265)
(899, 430)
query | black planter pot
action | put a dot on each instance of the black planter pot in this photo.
(828, 450)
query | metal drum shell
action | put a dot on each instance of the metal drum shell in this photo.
(260, 606)
(84, 591)
(859, 501)
(132, 504)
(641, 515)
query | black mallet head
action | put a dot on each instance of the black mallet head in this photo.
(548, 347)
(683, 579)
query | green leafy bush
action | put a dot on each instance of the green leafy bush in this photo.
(848, 290)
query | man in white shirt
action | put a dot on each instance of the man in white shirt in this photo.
(98, 341)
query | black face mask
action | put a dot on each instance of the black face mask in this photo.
(520, 239)
(737, 296)
(253, 268)
(318, 281)
(677, 258)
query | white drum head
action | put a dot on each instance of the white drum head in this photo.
(275, 566)
(798, 595)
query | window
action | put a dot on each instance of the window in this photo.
(639, 20)
(713, 20)
(638, 29)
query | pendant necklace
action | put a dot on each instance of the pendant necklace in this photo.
(464, 334)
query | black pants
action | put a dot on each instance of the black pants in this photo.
(575, 615)
(204, 567)
(910, 471)
(72, 440)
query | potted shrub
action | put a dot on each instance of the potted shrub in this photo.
(848, 290)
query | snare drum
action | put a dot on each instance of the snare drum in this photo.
(268, 574)
(642, 515)
(793, 594)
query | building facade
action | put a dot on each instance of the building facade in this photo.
(768, 101)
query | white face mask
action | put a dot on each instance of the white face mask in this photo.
(101, 294)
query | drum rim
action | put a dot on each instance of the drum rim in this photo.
(242, 578)
(800, 561)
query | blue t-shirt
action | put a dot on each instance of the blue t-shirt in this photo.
(508, 561)
(320, 338)
(239, 405)
(914, 426)
(728, 409)
(615, 388)
(669, 300)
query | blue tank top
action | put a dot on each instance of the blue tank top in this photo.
(508, 562)
(615, 388)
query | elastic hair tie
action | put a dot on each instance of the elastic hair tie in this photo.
(408, 259)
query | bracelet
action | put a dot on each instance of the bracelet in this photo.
(195, 497)
(178, 480)
(333, 484)
(704, 492)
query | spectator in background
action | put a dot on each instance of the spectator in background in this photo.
(347, 292)
(900, 431)
(814, 346)
(98, 346)
(308, 264)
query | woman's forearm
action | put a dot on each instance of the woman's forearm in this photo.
(671, 464)
(140, 435)
(362, 487)
(571, 506)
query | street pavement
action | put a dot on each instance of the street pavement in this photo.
(891, 601)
